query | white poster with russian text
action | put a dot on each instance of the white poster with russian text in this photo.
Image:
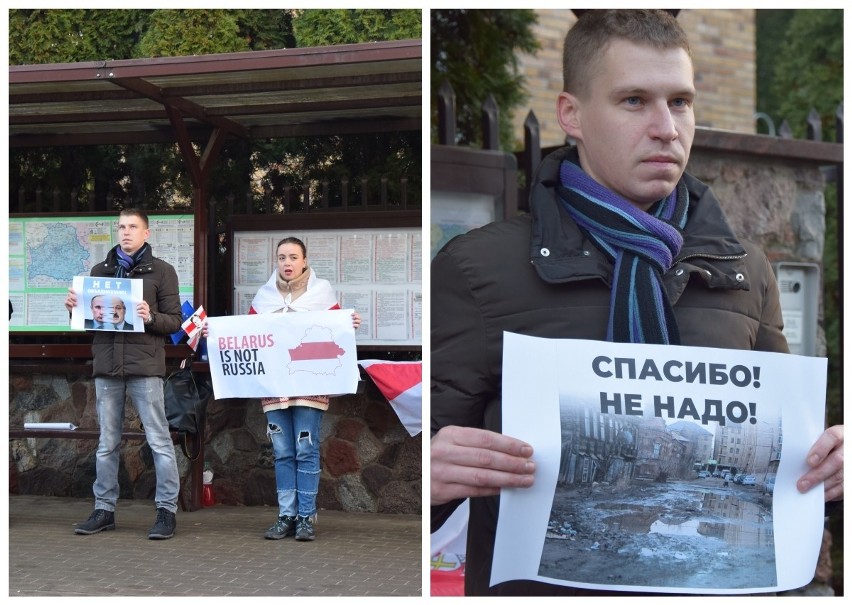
(661, 468)
(283, 354)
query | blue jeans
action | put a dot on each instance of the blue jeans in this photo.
(295, 435)
(146, 393)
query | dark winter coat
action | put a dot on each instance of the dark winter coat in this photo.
(120, 354)
(538, 275)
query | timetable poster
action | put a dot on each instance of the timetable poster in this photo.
(377, 272)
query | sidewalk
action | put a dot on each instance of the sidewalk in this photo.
(217, 551)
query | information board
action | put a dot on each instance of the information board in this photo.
(374, 271)
(47, 252)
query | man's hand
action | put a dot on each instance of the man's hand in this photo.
(826, 461)
(143, 311)
(468, 462)
(70, 300)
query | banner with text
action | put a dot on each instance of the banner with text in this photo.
(661, 468)
(283, 354)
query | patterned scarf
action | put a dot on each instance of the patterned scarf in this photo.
(641, 245)
(126, 262)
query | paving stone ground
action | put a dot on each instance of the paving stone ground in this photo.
(217, 551)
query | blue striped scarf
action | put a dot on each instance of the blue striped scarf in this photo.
(641, 245)
(126, 262)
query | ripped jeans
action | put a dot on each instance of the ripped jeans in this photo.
(295, 435)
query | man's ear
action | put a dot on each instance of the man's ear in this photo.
(568, 115)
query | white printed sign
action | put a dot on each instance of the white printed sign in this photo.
(283, 354)
(107, 304)
(660, 468)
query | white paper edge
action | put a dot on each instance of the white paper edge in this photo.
(53, 426)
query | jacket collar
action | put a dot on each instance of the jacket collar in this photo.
(145, 264)
(561, 253)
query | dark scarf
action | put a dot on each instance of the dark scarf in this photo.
(126, 262)
(641, 245)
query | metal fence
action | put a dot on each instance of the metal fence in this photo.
(530, 156)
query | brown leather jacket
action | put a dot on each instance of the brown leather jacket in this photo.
(497, 279)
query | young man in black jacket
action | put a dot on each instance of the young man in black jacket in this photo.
(628, 104)
(134, 364)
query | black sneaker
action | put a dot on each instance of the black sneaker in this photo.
(99, 520)
(305, 531)
(164, 526)
(284, 527)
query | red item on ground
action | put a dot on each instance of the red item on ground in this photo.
(207, 498)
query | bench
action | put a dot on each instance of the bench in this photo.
(50, 358)
(196, 466)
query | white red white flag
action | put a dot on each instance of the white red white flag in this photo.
(448, 552)
(192, 326)
(401, 382)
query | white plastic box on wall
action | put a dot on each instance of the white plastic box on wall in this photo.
(799, 285)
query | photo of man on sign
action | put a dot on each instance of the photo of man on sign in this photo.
(104, 302)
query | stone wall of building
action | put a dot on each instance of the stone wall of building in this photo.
(778, 204)
(369, 461)
(723, 51)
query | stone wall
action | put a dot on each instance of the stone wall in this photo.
(369, 461)
(780, 205)
(777, 204)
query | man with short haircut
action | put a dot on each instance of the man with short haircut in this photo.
(620, 244)
(134, 364)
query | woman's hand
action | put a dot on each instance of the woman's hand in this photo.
(356, 320)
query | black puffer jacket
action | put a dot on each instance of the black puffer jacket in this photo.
(122, 354)
(538, 275)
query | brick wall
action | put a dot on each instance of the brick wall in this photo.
(723, 51)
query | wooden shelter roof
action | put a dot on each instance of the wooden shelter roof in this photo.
(352, 88)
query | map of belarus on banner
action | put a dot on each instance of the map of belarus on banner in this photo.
(661, 468)
(106, 304)
(283, 354)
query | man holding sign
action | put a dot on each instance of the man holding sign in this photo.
(244, 354)
(620, 245)
(133, 363)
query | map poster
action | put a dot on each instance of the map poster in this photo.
(47, 252)
(283, 354)
(107, 303)
(665, 469)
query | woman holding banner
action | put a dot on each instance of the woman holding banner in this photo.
(293, 423)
